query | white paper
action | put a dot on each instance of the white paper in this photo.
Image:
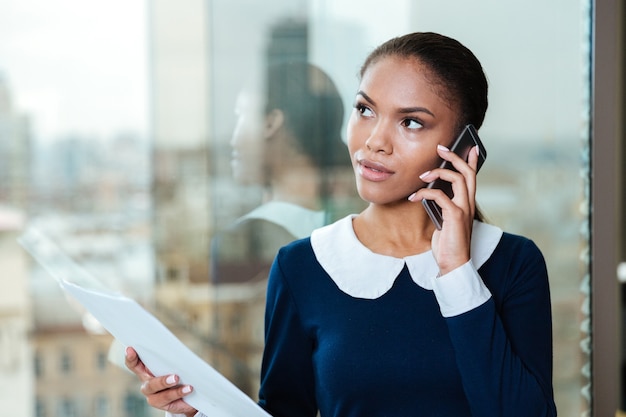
(164, 354)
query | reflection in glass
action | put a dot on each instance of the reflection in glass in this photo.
(96, 191)
(287, 141)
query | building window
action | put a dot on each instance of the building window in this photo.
(40, 408)
(135, 405)
(101, 361)
(102, 406)
(67, 408)
(38, 365)
(66, 364)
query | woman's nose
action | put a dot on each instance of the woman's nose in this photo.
(379, 139)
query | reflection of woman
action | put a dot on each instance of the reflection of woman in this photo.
(380, 314)
(288, 140)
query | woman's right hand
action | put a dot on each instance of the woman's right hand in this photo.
(451, 245)
(162, 392)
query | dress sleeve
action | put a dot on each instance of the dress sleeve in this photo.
(287, 380)
(460, 291)
(504, 349)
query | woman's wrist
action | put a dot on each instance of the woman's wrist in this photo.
(446, 269)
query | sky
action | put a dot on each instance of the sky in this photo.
(76, 66)
(80, 66)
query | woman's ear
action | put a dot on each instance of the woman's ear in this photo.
(274, 121)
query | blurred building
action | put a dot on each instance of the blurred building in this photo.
(16, 370)
(91, 200)
(16, 319)
(75, 378)
(15, 150)
(179, 84)
(76, 372)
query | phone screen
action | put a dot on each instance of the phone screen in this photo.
(462, 146)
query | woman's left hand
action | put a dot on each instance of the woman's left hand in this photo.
(451, 244)
(162, 392)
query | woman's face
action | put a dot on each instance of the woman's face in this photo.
(248, 154)
(398, 120)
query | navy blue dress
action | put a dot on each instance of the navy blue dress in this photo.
(396, 354)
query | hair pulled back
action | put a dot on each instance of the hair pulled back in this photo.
(453, 68)
(313, 110)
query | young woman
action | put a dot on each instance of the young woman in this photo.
(380, 313)
(287, 140)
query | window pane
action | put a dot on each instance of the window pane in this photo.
(534, 182)
(66, 362)
(102, 407)
(144, 154)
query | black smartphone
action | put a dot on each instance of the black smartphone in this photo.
(462, 146)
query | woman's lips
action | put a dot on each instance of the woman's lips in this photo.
(373, 171)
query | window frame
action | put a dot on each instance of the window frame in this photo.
(606, 240)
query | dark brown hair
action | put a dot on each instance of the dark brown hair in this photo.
(313, 110)
(454, 69)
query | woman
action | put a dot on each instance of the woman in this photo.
(380, 314)
(287, 140)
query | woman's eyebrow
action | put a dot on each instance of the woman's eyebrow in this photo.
(408, 110)
(365, 96)
(404, 110)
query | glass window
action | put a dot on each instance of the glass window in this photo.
(536, 131)
(40, 408)
(101, 361)
(149, 156)
(102, 406)
(38, 365)
(67, 408)
(135, 405)
(66, 362)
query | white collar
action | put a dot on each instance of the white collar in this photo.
(361, 273)
(297, 220)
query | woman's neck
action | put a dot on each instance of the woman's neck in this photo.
(298, 184)
(398, 230)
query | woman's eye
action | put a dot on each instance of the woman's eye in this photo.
(412, 124)
(364, 110)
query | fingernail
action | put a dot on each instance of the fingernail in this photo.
(171, 380)
(186, 389)
(127, 352)
(424, 175)
(411, 196)
(477, 150)
(442, 148)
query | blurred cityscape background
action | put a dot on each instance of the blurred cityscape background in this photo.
(138, 203)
